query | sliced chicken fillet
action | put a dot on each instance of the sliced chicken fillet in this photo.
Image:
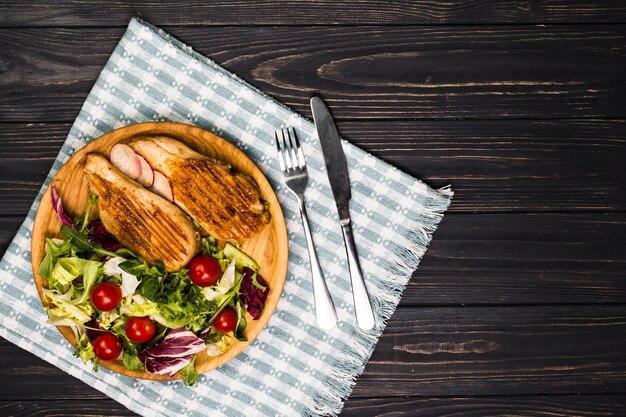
(226, 205)
(142, 221)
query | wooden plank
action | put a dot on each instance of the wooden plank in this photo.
(8, 229)
(298, 12)
(437, 351)
(499, 350)
(392, 72)
(25, 374)
(523, 259)
(509, 259)
(567, 405)
(75, 408)
(494, 166)
(513, 165)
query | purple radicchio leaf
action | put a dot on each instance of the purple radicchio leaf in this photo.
(99, 234)
(92, 328)
(173, 353)
(204, 333)
(161, 366)
(251, 294)
(57, 204)
(261, 280)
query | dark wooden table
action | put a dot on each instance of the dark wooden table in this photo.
(519, 306)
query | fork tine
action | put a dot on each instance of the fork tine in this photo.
(298, 149)
(285, 148)
(291, 146)
(281, 161)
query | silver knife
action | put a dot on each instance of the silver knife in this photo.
(337, 168)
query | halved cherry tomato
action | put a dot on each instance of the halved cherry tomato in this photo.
(140, 329)
(106, 296)
(107, 346)
(204, 270)
(226, 320)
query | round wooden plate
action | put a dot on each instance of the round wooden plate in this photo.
(269, 247)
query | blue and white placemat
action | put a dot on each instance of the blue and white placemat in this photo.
(292, 368)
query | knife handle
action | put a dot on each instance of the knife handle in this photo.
(324, 308)
(362, 305)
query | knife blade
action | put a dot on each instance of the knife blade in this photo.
(334, 157)
(337, 168)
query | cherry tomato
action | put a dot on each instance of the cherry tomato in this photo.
(107, 346)
(140, 329)
(226, 320)
(204, 270)
(106, 296)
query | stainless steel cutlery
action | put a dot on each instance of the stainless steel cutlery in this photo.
(337, 168)
(292, 163)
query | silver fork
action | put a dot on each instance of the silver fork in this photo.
(292, 164)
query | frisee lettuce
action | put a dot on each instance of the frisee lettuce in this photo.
(84, 351)
(74, 265)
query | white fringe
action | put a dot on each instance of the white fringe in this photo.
(385, 295)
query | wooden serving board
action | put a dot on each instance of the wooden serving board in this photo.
(269, 248)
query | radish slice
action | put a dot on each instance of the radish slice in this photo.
(147, 173)
(125, 159)
(162, 187)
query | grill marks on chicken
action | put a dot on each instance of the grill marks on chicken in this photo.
(144, 222)
(225, 205)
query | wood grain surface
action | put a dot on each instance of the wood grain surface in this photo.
(512, 406)
(90, 13)
(494, 165)
(521, 350)
(363, 72)
(492, 259)
(518, 307)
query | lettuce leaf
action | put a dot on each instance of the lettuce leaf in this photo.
(68, 269)
(82, 242)
(138, 306)
(223, 285)
(92, 201)
(218, 346)
(150, 288)
(189, 373)
(129, 280)
(107, 319)
(132, 362)
(240, 329)
(63, 308)
(54, 248)
(92, 273)
(84, 351)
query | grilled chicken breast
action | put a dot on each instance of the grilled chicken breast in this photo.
(226, 205)
(144, 222)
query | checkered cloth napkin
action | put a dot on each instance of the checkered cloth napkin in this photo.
(292, 368)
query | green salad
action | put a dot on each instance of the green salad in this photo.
(120, 307)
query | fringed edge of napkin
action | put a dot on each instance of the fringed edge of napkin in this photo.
(386, 292)
(385, 297)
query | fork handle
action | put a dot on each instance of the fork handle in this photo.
(324, 308)
(362, 306)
